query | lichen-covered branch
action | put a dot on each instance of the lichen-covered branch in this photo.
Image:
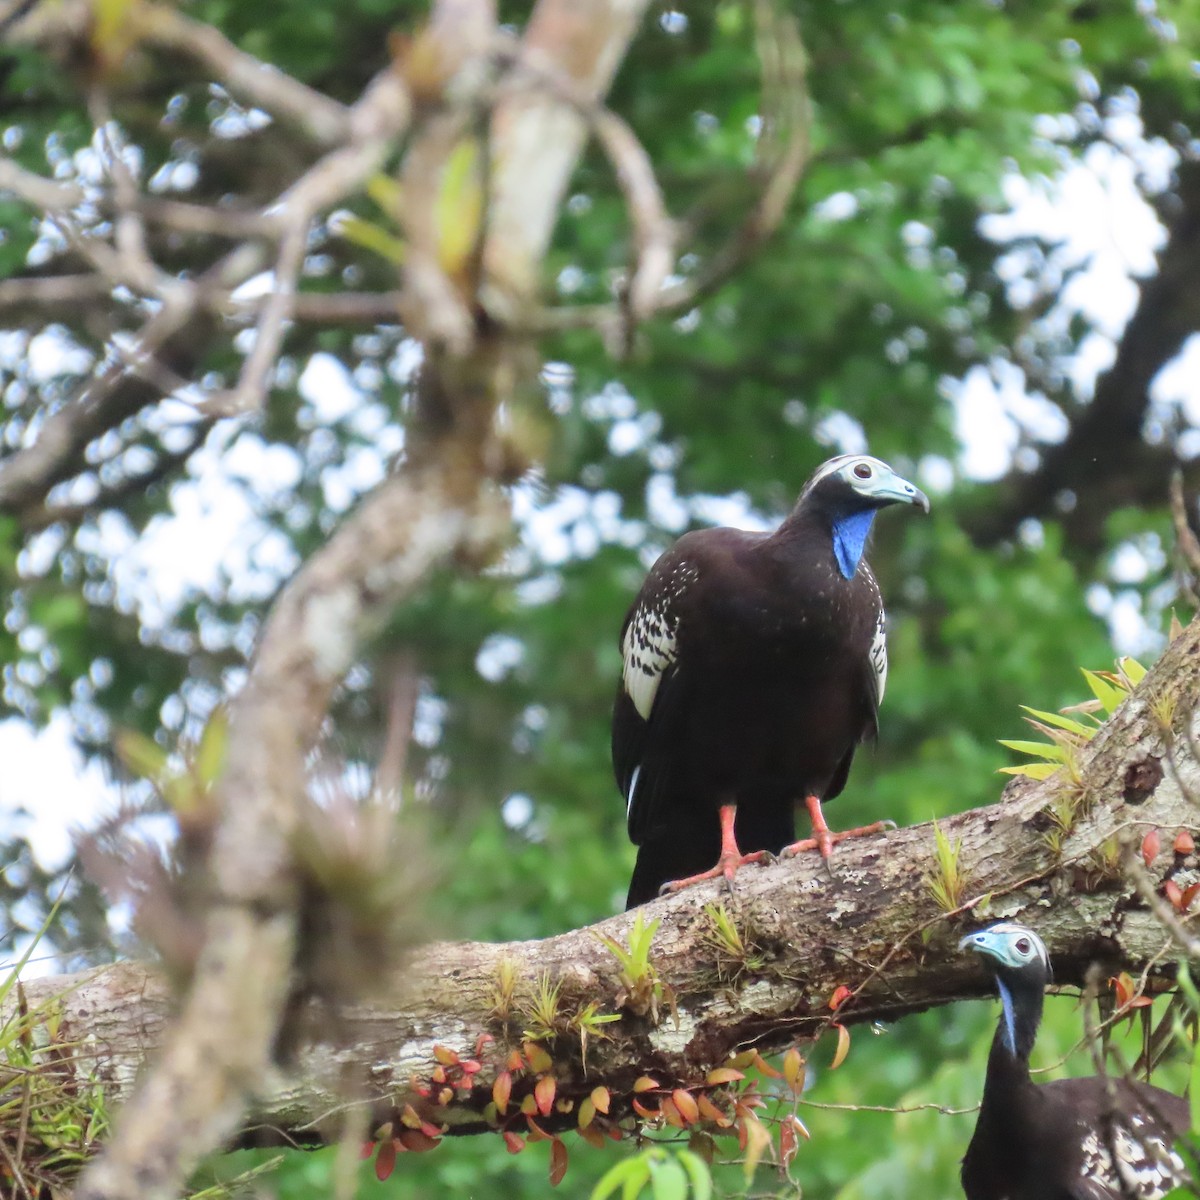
(1043, 854)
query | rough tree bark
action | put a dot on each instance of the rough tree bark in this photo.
(874, 928)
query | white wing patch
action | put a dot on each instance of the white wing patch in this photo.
(879, 656)
(1145, 1165)
(648, 647)
(648, 650)
(878, 651)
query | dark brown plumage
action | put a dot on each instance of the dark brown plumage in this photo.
(753, 666)
(1070, 1139)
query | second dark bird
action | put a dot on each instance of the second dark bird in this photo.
(1093, 1138)
(754, 664)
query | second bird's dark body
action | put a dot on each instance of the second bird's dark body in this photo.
(754, 665)
(1093, 1138)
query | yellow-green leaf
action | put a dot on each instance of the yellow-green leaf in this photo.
(143, 756)
(699, 1173)
(1132, 670)
(210, 753)
(458, 210)
(1061, 722)
(1037, 749)
(630, 1174)
(1037, 770)
(1110, 697)
(372, 237)
(388, 194)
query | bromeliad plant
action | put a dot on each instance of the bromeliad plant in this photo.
(51, 1111)
(1065, 734)
(642, 991)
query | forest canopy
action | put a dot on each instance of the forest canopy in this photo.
(357, 361)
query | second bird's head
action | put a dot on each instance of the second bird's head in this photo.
(855, 482)
(1014, 954)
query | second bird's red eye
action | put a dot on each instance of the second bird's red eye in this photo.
(863, 471)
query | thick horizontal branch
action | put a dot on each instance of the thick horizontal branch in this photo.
(874, 927)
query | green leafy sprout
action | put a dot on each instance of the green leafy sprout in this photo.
(542, 1011)
(946, 880)
(642, 992)
(723, 935)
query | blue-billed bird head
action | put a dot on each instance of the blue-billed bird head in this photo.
(1011, 947)
(850, 490)
(1018, 960)
(858, 482)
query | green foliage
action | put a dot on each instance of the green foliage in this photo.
(669, 1175)
(642, 991)
(51, 1116)
(1064, 734)
(879, 291)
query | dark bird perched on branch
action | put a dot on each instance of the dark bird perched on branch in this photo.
(1073, 1139)
(753, 666)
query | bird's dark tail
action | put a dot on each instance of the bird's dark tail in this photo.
(664, 858)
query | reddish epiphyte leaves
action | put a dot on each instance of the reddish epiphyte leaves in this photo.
(539, 1061)
(686, 1106)
(712, 1113)
(543, 1094)
(558, 1161)
(502, 1090)
(841, 994)
(418, 1141)
(1151, 844)
(793, 1070)
(720, 1075)
(1126, 993)
(385, 1160)
(592, 1136)
(843, 1047)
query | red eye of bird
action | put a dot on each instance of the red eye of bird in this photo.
(863, 471)
(1023, 946)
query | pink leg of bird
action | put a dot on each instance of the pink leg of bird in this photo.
(727, 865)
(822, 838)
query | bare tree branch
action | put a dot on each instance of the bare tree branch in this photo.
(784, 143)
(323, 119)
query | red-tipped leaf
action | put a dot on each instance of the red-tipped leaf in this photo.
(558, 1161)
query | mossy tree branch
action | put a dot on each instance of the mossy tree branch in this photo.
(876, 929)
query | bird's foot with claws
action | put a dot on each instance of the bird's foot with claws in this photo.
(727, 866)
